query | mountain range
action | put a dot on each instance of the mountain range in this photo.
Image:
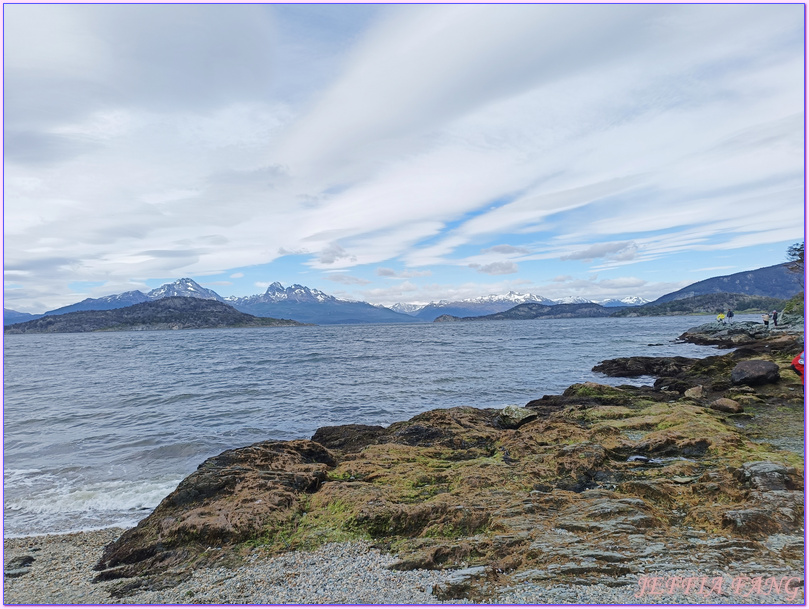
(492, 304)
(308, 305)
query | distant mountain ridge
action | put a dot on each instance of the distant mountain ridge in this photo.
(169, 313)
(296, 302)
(494, 303)
(532, 310)
(313, 306)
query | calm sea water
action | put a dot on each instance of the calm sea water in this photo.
(98, 428)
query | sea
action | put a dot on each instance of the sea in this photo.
(99, 427)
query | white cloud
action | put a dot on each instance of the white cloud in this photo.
(347, 279)
(386, 272)
(496, 268)
(406, 135)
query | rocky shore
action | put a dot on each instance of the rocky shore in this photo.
(688, 491)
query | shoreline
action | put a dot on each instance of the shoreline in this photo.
(622, 493)
(351, 573)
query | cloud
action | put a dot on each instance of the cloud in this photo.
(395, 136)
(332, 253)
(347, 279)
(496, 268)
(615, 251)
(386, 272)
(505, 249)
(236, 275)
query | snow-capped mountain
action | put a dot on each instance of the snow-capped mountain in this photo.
(469, 307)
(105, 303)
(629, 301)
(308, 305)
(184, 287)
(575, 300)
(296, 302)
(407, 309)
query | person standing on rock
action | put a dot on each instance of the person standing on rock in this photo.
(729, 316)
(721, 318)
(775, 319)
(766, 319)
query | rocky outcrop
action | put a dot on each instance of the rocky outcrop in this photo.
(597, 485)
(239, 495)
(787, 336)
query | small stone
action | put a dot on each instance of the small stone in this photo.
(726, 405)
(20, 562)
(695, 393)
(512, 416)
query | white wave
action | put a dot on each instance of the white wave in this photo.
(110, 496)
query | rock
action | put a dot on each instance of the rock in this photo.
(20, 562)
(18, 566)
(238, 495)
(645, 366)
(459, 584)
(511, 417)
(347, 438)
(754, 372)
(695, 393)
(768, 476)
(726, 405)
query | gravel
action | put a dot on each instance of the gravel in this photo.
(339, 573)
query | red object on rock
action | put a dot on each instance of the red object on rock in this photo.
(797, 364)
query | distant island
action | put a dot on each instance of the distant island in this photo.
(172, 313)
(532, 310)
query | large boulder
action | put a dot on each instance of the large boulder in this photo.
(754, 372)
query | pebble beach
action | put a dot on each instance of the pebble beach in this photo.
(338, 573)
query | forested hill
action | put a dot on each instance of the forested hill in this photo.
(173, 313)
(539, 311)
(705, 304)
(775, 281)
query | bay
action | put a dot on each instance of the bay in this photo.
(99, 427)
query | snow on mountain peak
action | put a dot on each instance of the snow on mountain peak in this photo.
(183, 287)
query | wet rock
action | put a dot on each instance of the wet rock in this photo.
(754, 372)
(645, 366)
(18, 566)
(726, 405)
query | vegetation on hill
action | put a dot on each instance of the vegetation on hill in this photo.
(532, 310)
(173, 313)
(706, 304)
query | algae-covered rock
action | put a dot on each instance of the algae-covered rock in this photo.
(754, 372)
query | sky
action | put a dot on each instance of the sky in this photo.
(398, 153)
